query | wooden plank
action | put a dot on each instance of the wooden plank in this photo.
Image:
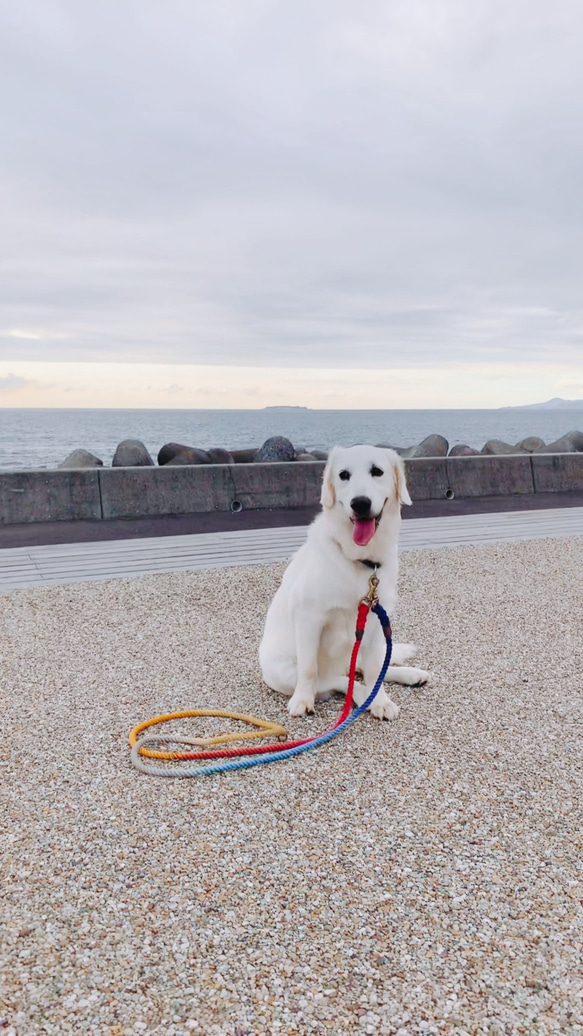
(161, 565)
(195, 549)
(27, 564)
(294, 534)
(62, 563)
(121, 573)
(489, 533)
(187, 547)
(194, 553)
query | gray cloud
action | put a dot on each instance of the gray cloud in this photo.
(292, 184)
(12, 383)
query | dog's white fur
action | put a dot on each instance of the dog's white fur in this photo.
(309, 628)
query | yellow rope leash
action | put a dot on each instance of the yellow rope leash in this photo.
(265, 728)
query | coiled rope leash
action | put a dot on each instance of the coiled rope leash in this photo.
(241, 758)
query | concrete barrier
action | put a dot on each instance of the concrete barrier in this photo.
(104, 493)
(557, 472)
(136, 492)
(49, 496)
(490, 475)
(298, 485)
(427, 478)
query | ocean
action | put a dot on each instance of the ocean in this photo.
(43, 438)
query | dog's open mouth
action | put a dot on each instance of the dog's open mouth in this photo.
(364, 529)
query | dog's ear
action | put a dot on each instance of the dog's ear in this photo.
(328, 495)
(401, 491)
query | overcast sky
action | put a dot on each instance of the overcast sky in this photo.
(330, 186)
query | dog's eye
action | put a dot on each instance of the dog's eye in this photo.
(344, 475)
(376, 472)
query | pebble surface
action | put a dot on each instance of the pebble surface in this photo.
(417, 877)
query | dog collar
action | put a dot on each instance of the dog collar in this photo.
(361, 561)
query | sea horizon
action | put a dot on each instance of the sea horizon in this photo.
(298, 406)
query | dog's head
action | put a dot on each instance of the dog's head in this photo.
(359, 483)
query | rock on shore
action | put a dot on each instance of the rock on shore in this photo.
(219, 456)
(432, 446)
(131, 453)
(572, 442)
(169, 451)
(188, 455)
(530, 444)
(462, 450)
(81, 459)
(279, 449)
(244, 456)
(496, 447)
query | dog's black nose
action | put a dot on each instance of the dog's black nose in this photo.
(361, 506)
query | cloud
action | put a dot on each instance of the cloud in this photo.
(33, 335)
(276, 185)
(13, 383)
(18, 333)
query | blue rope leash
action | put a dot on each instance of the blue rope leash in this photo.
(225, 765)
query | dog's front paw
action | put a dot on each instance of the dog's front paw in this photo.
(402, 653)
(407, 676)
(300, 703)
(418, 677)
(383, 708)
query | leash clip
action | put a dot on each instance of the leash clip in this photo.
(372, 597)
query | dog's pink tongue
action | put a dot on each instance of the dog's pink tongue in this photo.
(364, 530)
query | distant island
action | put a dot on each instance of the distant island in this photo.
(551, 404)
(286, 408)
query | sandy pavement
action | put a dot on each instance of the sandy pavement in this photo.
(423, 876)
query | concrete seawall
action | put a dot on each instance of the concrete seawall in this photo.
(109, 493)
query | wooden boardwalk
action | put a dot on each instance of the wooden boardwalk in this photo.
(78, 562)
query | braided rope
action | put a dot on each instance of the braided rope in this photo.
(256, 756)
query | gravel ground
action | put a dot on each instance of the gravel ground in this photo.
(416, 877)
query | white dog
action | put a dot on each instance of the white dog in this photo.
(309, 629)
